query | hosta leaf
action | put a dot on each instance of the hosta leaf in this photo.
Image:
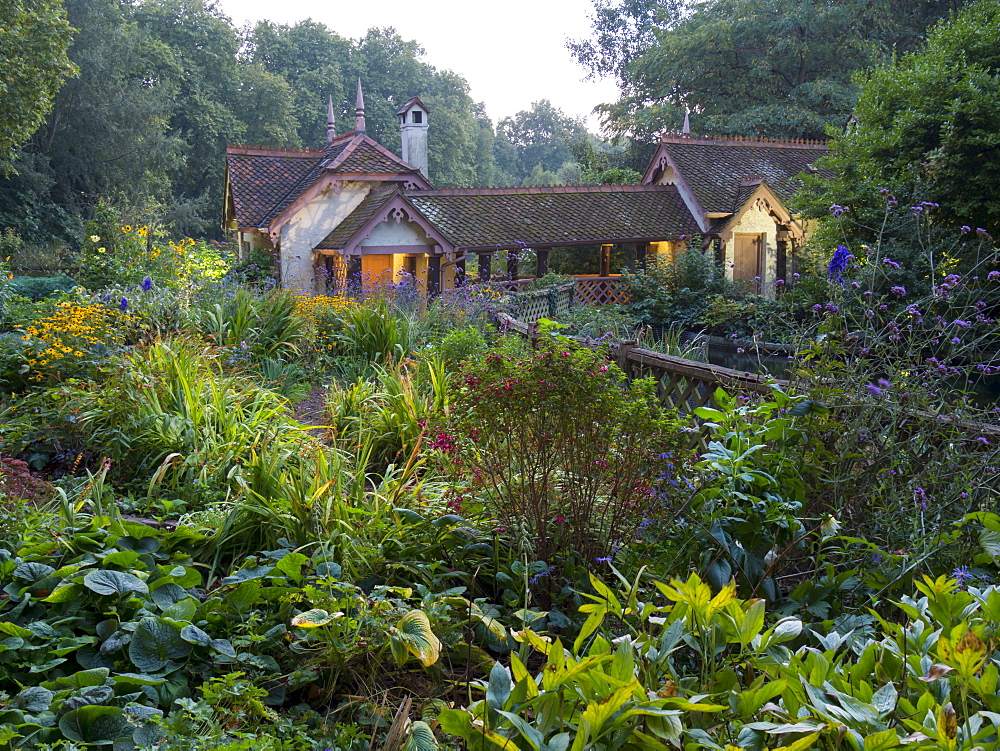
(414, 632)
(95, 724)
(421, 738)
(114, 583)
(313, 618)
(155, 643)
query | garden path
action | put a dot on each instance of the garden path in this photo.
(312, 409)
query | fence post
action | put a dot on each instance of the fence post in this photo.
(553, 295)
(624, 350)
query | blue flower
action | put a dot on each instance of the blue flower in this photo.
(124, 303)
(147, 284)
(963, 574)
(838, 264)
(605, 559)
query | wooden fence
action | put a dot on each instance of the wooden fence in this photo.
(601, 290)
(682, 384)
(542, 303)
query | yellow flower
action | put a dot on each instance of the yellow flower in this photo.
(95, 239)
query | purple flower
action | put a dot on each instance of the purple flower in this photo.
(983, 440)
(839, 262)
(966, 229)
(981, 232)
(884, 383)
(962, 573)
(901, 291)
(890, 263)
(873, 389)
(993, 276)
(147, 284)
(837, 209)
(124, 304)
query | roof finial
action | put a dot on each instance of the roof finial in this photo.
(686, 130)
(331, 128)
(359, 111)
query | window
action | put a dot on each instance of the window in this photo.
(418, 116)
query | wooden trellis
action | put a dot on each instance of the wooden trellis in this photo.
(601, 290)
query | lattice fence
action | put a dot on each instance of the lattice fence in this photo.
(601, 290)
(543, 303)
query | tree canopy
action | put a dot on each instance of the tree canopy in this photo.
(744, 67)
(34, 35)
(926, 127)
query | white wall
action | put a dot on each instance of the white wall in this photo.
(757, 220)
(307, 229)
(391, 232)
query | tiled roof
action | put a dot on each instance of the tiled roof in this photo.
(555, 215)
(366, 155)
(259, 179)
(357, 219)
(716, 168)
(264, 182)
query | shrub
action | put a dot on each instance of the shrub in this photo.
(675, 292)
(558, 440)
(74, 339)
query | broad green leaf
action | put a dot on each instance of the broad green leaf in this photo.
(167, 594)
(291, 566)
(753, 622)
(155, 643)
(421, 738)
(527, 731)
(114, 583)
(12, 629)
(194, 635)
(33, 700)
(803, 744)
(456, 722)
(314, 618)
(887, 739)
(32, 571)
(64, 593)
(414, 632)
(498, 688)
(94, 724)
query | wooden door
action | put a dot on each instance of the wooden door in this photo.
(747, 252)
(376, 270)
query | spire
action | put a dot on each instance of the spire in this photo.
(687, 123)
(359, 111)
(331, 128)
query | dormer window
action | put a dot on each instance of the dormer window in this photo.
(418, 116)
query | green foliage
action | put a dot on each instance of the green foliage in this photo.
(744, 67)
(925, 127)
(375, 333)
(34, 36)
(689, 668)
(556, 441)
(538, 143)
(677, 292)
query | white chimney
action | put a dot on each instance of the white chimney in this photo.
(413, 127)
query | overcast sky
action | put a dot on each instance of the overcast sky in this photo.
(511, 53)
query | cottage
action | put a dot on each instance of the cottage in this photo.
(737, 189)
(354, 208)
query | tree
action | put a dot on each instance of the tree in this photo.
(746, 67)
(926, 128)
(539, 136)
(34, 36)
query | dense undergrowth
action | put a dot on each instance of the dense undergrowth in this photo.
(490, 543)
